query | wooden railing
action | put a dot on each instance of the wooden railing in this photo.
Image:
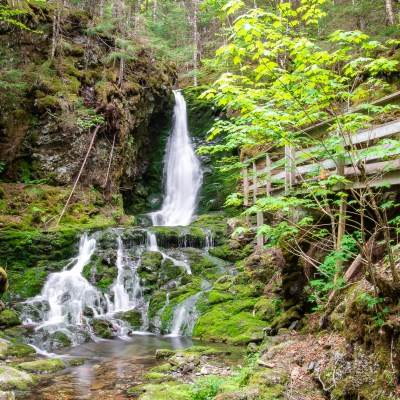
(293, 169)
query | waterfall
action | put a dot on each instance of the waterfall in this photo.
(185, 316)
(182, 171)
(69, 294)
(128, 292)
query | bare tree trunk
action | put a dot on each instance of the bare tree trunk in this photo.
(390, 12)
(195, 40)
(139, 7)
(101, 8)
(154, 10)
(56, 29)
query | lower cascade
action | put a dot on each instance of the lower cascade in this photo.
(75, 306)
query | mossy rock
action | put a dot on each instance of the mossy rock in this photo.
(157, 302)
(43, 366)
(265, 308)
(12, 378)
(59, 339)
(133, 318)
(151, 261)
(231, 322)
(218, 296)
(264, 264)
(164, 354)
(18, 349)
(9, 318)
(232, 251)
(170, 271)
(102, 328)
(166, 391)
(285, 319)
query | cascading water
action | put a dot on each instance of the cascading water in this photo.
(68, 294)
(128, 293)
(183, 175)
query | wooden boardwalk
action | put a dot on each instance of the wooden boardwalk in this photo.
(363, 162)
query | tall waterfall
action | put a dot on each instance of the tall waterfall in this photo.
(182, 171)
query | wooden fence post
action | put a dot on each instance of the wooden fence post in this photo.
(245, 187)
(268, 171)
(255, 183)
(290, 155)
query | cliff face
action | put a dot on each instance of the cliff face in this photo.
(50, 109)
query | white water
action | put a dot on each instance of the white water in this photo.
(128, 292)
(68, 293)
(182, 173)
(185, 316)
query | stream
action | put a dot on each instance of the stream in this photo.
(111, 367)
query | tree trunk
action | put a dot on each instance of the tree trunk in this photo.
(390, 12)
(154, 10)
(195, 40)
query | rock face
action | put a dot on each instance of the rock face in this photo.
(46, 128)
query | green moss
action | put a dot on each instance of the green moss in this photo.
(216, 296)
(170, 271)
(133, 317)
(157, 302)
(102, 328)
(104, 284)
(12, 378)
(43, 366)
(232, 254)
(265, 308)
(9, 318)
(166, 391)
(231, 322)
(151, 261)
(18, 349)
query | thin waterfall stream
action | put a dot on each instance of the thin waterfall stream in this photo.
(182, 172)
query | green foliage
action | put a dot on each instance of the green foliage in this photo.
(376, 304)
(205, 388)
(328, 275)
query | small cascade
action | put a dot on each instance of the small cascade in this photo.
(209, 241)
(185, 316)
(69, 295)
(152, 241)
(182, 170)
(153, 246)
(127, 290)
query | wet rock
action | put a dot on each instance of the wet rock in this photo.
(188, 368)
(133, 317)
(43, 366)
(103, 328)
(151, 261)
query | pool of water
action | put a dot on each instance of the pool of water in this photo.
(111, 368)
